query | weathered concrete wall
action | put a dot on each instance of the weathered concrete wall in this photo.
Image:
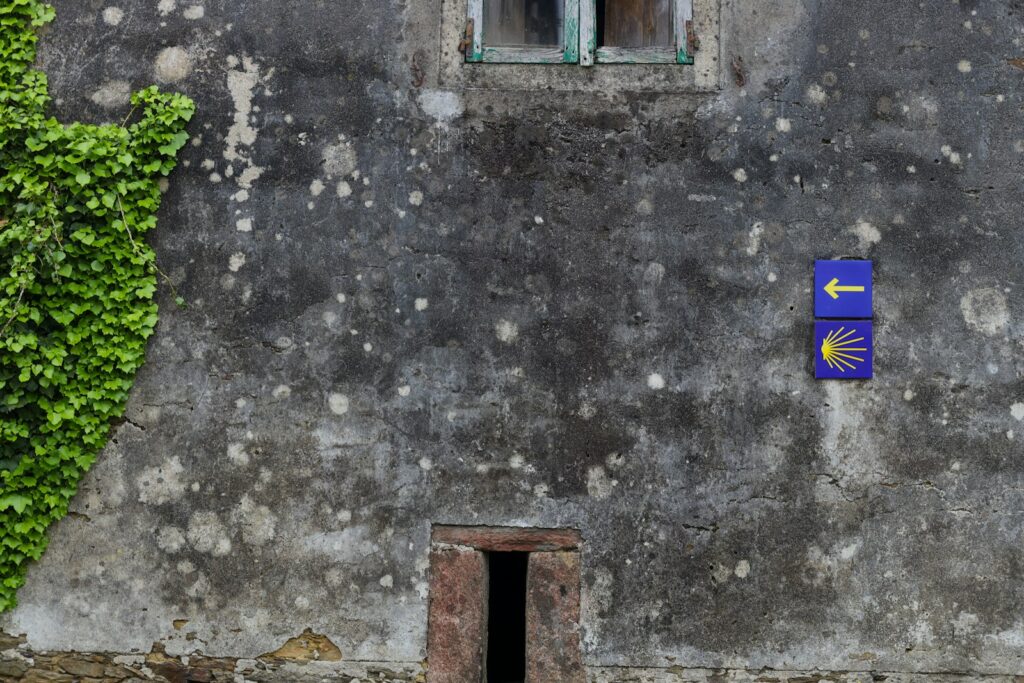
(588, 307)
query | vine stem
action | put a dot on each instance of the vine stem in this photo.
(14, 313)
(125, 122)
(135, 248)
(14, 309)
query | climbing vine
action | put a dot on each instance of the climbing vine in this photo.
(76, 282)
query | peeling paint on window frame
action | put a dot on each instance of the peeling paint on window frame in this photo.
(569, 53)
(678, 53)
(580, 42)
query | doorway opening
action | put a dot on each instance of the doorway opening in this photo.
(506, 617)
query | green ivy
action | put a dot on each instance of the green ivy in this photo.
(76, 283)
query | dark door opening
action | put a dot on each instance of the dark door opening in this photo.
(506, 617)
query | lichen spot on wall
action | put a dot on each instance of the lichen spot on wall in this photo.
(338, 403)
(172, 64)
(112, 16)
(985, 310)
(506, 331)
(161, 484)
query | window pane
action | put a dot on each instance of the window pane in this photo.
(634, 23)
(523, 23)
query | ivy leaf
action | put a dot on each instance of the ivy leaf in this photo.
(19, 503)
(177, 142)
(63, 317)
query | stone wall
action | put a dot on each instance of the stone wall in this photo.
(419, 294)
(18, 663)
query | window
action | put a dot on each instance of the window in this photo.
(523, 31)
(582, 32)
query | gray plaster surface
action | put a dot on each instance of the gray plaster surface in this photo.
(415, 300)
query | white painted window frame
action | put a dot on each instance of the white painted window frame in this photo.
(580, 46)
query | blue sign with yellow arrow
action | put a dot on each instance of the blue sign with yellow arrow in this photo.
(842, 289)
(843, 349)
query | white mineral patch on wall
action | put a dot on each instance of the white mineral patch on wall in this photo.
(338, 403)
(243, 78)
(339, 160)
(162, 484)
(237, 454)
(754, 238)
(867, 234)
(207, 534)
(985, 310)
(506, 331)
(112, 94)
(441, 105)
(599, 486)
(256, 521)
(816, 94)
(172, 64)
(113, 15)
(170, 539)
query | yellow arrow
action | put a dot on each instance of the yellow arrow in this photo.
(833, 288)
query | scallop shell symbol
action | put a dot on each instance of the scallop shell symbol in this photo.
(838, 349)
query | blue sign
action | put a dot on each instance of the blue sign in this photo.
(843, 349)
(842, 289)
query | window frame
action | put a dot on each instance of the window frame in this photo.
(680, 52)
(569, 53)
(580, 40)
